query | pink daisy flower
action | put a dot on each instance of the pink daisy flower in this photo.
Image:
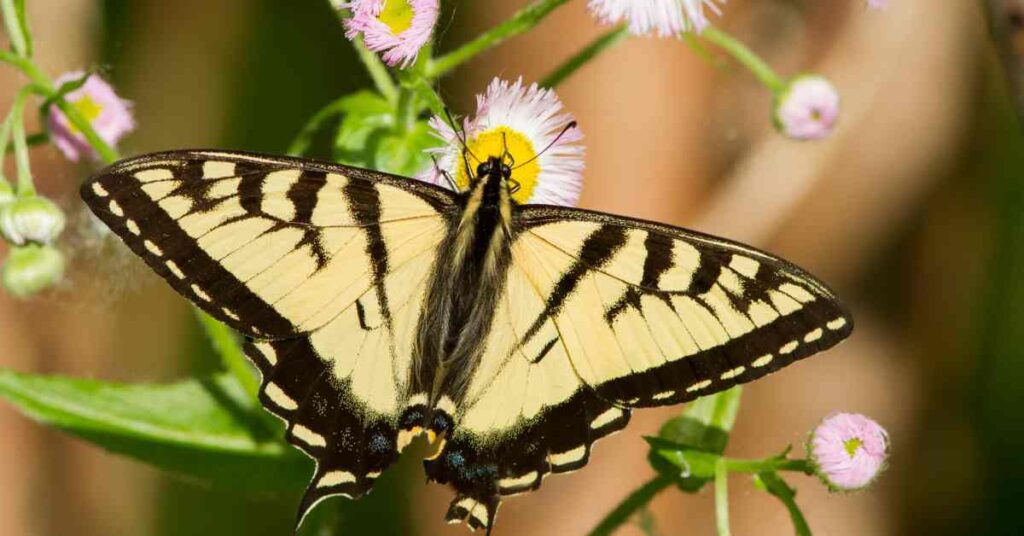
(878, 4)
(662, 17)
(848, 451)
(109, 115)
(531, 123)
(808, 108)
(396, 29)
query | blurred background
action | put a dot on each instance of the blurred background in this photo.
(913, 210)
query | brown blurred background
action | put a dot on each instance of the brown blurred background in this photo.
(913, 210)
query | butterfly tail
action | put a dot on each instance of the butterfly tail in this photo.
(478, 513)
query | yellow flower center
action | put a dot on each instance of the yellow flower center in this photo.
(89, 108)
(851, 446)
(493, 142)
(397, 15)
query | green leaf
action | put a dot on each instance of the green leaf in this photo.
(202, 429)
(368, 117)
(364, 102)
(405, 154)
(703, 428)
(353, 107)
(690, 465)
(774, 484)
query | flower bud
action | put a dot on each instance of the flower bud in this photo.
(807, 109)
(31, 219)
(6, 195)
(32, 268)
(848, 451)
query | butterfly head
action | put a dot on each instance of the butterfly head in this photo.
(498, 172)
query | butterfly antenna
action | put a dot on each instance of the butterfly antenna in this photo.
(505, 152)
(570, 126)
(461, 136)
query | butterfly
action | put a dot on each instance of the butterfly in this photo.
(380, 308)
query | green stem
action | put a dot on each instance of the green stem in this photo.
(722, 498)
(405, 114)
(581, 58)
(106, 152)
(779, 488)
(747, 57)
(39, 138)
(5, 134)
(522, 21)
(12, 22)
(25, 185)
(378, 71)
(767, 464)
(434, 101)
(225, 343)
(630, 505)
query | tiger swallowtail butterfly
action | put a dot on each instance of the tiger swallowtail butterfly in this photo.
(379, 308)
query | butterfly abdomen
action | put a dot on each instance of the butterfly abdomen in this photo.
(466, 284)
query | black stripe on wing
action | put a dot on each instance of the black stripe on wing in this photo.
(133, 198)
(351, 446)
(771, 312)
(483, 469)
(156, 237)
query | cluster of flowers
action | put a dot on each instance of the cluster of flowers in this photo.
(806, 106)
(530, 123)
(29, 222)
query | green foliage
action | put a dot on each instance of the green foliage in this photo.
(203, 429)
(212, 430)
(771, 482)
(688, 446)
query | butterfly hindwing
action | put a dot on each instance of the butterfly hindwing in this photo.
(351, 443)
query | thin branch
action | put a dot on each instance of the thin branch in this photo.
(722, 498)
(630, 505)
(522, 21)
(581, 58)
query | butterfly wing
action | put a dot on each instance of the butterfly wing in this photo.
(323, 267)
(652, 314)
(270, 246)
(602, 314)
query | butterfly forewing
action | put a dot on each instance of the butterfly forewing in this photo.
(273, 247)
(651, 314)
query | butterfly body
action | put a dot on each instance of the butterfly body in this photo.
(379, 308)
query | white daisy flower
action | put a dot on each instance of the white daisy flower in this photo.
(662, 17)
(540, 136)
